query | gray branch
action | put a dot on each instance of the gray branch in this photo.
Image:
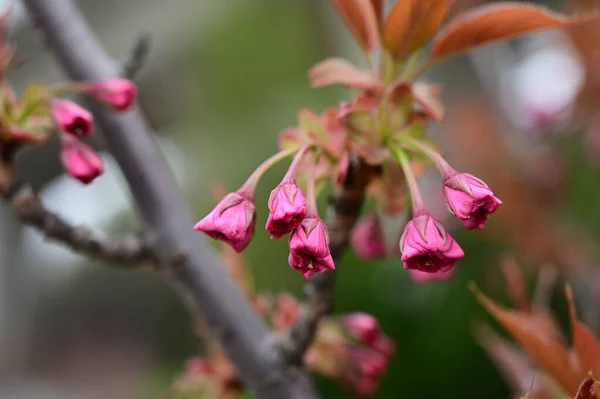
(126, 251)
(197, 275)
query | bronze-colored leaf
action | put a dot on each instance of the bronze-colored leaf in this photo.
(378, 10)
(339, 71)
(411, 23)
(541, 343)
(589, 389)
(428, 97)
(585, 343)
(360, 17)
(515, 284)
(493, 22)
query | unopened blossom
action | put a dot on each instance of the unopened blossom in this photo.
(367, 238)
(231, 221)
(426, 245)
(469, 198)
(364, 370)
(80, 161)
(423, 277)
(120, 94)
(71, 117)
(309, 247)
(363, 326)
(287, 206)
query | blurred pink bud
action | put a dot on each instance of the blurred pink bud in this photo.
(198, 366)
(470, 199)
(117, 93)
(71, 118)
(426, 245)
(309, 248)
(367, 238)
(423, 277)
(80, 161)
(287, 207)
(231, 221)
(362, 326)
(384, 345)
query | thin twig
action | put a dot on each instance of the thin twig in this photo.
(197, 276)
(137, 56)
(343, 213)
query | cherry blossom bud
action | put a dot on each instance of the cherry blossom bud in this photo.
(367, 238)
(287, 206)
(427, 246)
(71, 118)
(231, 221)
(362, 326)
(120, 94)
(470, 199)
(80, 161)
(309, 248)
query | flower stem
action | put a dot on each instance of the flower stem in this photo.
(411, 181)
(443, 166)
(249, 187)
(311, 195)
(291, 173)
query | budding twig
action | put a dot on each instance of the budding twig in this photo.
(342, 215)
(126, 251)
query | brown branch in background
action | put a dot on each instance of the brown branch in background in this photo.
(126, 251)
(342, 216)
(137, 57)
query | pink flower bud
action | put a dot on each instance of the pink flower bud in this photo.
(367, 238)
(470, 199)
(287, 207)
(231, 221)
(362, 326)
(71, 118)
(117, 93)
(309, 248)
(427, 246)
(423, 277)
(80, 161)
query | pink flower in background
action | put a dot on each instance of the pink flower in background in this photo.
(363, 326)
(231, 221)
(367, 238)
(72, 118)
(80, 161)
(470, 199)
(287, 207)
(426, 245)
(309, 248)
(120, 94)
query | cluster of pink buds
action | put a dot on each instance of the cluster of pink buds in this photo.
(42, 109)
(384, 126)
(353, 350)
(233, 219)
(74, 122)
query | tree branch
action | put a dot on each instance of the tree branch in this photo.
(127, 251)
(341, 217)
(197, 275)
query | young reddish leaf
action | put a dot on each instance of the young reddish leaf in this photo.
(541, 343)
(378, 10)
(585, 343)
(428, 97)
(515, 284)
(339, 71)
(411, 23)
(589, 389)
(360, 17)
(493, 22)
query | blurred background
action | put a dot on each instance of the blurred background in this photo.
(221, 80)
